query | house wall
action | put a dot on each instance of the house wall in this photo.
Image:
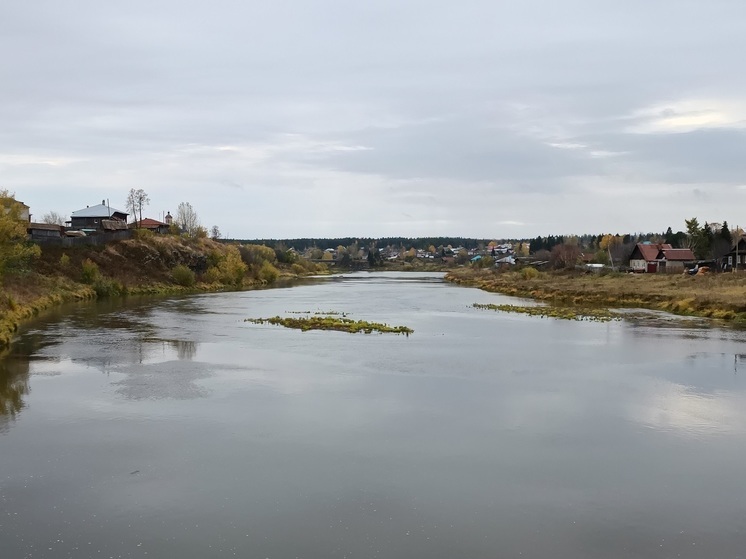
(674, 267)
(86, 222)
(638, 265)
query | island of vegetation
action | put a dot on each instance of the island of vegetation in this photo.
(555, 311)
(332, 322)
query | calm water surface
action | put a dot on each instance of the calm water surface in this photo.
(172, 428)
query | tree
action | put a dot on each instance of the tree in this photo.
(53, 218)
(15, 251)
(695, 239)
(136, 201)
(187, 219)
(215, 232)
(564, 256)
(725, 233)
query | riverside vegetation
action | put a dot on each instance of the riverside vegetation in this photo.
(34, 278)
(720, 296)
(553, 311)
(332, 322)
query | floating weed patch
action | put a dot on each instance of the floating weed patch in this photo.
(332, 323)
(320, 313)
(565, 313)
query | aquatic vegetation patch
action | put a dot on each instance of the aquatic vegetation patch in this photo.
(332, 323)
(565, 313)
(321, 313)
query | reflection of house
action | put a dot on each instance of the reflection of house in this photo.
(150, 224)
(651, 258)
(101, 217)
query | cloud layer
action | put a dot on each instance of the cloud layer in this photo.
(328, 118)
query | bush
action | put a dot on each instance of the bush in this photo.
(268, 273)
(298, 269)
(64, 261)
(143, 234)
(232, 269)
(529, 273)
(89, 273)
(105, 287)
(257, 254)
(212, 275)
(183, 276)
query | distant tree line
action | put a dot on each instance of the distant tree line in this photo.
(418, 243)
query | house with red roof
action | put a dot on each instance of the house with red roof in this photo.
(151, 224)
(660, 257)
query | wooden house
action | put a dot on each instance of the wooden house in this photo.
(99, 218)
(661, 257)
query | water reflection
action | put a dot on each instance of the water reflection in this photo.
(186, 350)
(14, 385)
(15, 371)
(481, 432)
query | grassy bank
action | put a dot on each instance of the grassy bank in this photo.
(148, 264)
(721, 296)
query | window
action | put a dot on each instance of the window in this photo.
(730, 261)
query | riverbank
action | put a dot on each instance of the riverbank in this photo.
(721, 296)
(148, 265)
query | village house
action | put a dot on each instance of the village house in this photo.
(736, 258)
(44, 232)
(24, 211)
(651, 258)
(97, 219)
(153, 225)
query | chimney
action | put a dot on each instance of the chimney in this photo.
(103, 202)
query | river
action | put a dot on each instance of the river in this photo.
(168, 428)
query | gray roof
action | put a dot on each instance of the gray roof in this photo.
(99, 210)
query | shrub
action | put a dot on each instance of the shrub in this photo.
(183, 276)
(232, 269)
(529, 273)
(105, 287)
(64, 261)
(257, 254)
(89, 273)
(143, 234)
(298, 269)
(212, 275)
(268, 273)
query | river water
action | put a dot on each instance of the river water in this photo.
(172, 428)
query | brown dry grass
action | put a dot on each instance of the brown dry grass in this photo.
(713, 295)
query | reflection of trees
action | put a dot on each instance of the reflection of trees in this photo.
(184, 349)
(14, 385)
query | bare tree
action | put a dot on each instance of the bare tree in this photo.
(53, 218)
(136, 200)
(187, 218)
(215, 232)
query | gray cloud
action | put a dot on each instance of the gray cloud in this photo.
(284, 118)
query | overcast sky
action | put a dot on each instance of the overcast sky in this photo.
(321, 118)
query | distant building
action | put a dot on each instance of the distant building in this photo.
(736, 258)
(662, 257)
(24, 213)
(44, 232)
(151, 225)
(102, 217)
